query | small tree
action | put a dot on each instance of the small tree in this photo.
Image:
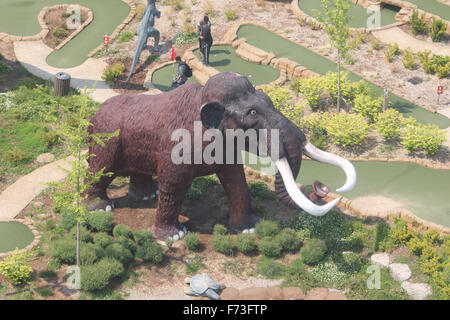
(336, 19)
(70, 194)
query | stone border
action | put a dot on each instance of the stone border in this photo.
(345, 205)
(148, 84)
(120, 27)
(30, 224)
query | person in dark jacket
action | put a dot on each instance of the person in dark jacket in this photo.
(180, 77)
(205, 42)
(199, 29)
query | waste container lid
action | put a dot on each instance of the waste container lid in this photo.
(62, 76)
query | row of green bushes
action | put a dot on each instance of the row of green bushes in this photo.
(419, 25)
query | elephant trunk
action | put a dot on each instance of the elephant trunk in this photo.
(288, 168)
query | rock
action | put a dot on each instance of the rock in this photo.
(230, 294)
(253, 294)
(317, 294)
(37, 205)
(417, 291)
(400, 271)
(336, 295)
(45, 158)
(381, 259)
(275, 293)
(293, 293)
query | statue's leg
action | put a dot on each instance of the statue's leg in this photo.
(155, 34)
(142, 187)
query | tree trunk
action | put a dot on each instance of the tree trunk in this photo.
(339, 82)
(78, 244)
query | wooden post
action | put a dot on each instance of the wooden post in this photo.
(61, 84)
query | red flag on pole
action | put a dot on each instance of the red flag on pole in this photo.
(173, 56)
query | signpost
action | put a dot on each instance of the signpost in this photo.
(106, 41)
(440, 90)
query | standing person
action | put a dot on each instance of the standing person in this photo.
(206, 41)
(183, 72)
(199, 29)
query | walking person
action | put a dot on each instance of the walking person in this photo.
(183, 72)
(206, 41)
(199, 29)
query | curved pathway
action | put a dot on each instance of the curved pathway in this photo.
(404, 41)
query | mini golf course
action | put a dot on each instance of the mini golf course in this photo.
(14, 235)
(434, 7)
(421, 190)
(19, 17)
(359, 14)
(283, 48)
(222, 58)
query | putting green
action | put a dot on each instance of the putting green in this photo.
(421, 190)
(434, 7)
(268, 41)
(19, 17)
(222, 58)
(360, 15)
(14, 235)
(162, 78)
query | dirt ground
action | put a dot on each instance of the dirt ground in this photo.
(55, 20)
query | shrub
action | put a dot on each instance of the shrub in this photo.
(278, 95)
(418, 24)
(150, 252)
(432, 236)
(183, 38)
(388, 124)
(60, 33)
(103, 239)
(112, 73)
(223, 244)
(289, 239)
(400, 232)
(409, 61)
(347, 129)
(122, 230)
(91, 253)
(230, 13)
(368, 107)
(125, 36)
(100, 221)
(118, 252)
(98, 276)
(14, 156)
(437, 30)
(200, 187)
(351, 263)
(381, 232)
(293, 112)
(46, 292)
(4, 67)
(16, 267)
(64, 250)
(48, 138)
(304, 234)
(270, 247)
(391, 51)
(266, 228)
(330, 84)
(313, 251)
(260, 190)
(85, 234)
(310, 88)
(192, 240)
(328, 275)
(297, 270)
(142, 236)
(220, 229)
(270, 268)
(416, 245)
(439, 65)
(375, 44)
(428, 138)
(127, 243)
(48, 274)
(246, 243)
(208, 8)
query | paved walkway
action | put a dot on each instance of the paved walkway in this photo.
(404, 40)
(18, 195)
(33, 54)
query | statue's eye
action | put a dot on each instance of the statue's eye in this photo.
(253, 112)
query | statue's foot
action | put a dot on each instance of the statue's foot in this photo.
(173, 233)
(102, 205)
(247, 225)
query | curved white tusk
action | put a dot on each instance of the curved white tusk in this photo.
(326, 157)
(296, 195)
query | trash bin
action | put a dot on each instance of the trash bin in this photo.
(61, 84)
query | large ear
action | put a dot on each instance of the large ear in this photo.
(212, 114)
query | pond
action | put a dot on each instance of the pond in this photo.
(14, 235)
